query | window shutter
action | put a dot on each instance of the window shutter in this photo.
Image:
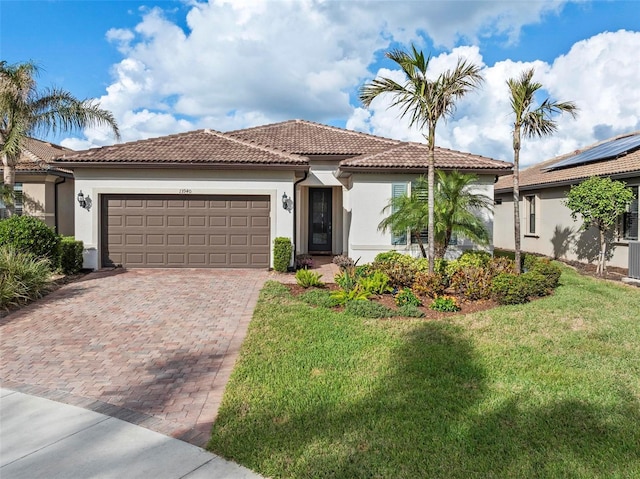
(397, 190)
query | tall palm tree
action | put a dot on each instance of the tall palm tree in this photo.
(456, 210)
(27, 112)
(424, 101)
(532, 122)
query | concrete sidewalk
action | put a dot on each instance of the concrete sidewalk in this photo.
(40, 438)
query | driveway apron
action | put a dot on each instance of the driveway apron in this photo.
(153, 347)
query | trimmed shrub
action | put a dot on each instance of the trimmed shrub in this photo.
(22, 276)
(429, 284)
(282, 249)
(400, 268)
(368, 309)
(472, 282)
(307, 279)
(446, 304)
(549, 270)
(502, 264)
(70, 255)
(406, 296)
(509, 288)
(30, 235)
(469, 258)
(319, 297)
(537, 284)
(529, 261)
(375, 283)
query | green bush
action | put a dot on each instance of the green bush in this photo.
(70, 255)
(473, 258)
(22, 276)
(429, 284)
(343, 296)
(319, 297)
(502, 264)
(368, 309)
(400, 268)
(375, 283)
(447, 304)
(282, 249)
(30, 235)
(529, 261)
(536, 283)
(307, 279)
(347, 279)
(406, 296)
(510, 288)
(472, 282)
(549, 270)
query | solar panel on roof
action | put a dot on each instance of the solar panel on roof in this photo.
(610, 149)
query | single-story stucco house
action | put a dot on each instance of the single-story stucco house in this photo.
(546, 224)
(42, 189)
(210, 199)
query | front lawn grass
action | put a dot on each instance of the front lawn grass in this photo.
(549, 389)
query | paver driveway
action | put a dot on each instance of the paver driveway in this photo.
(153, 347)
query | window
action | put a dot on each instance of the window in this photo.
(397, 190)
(17, 191)
(531, 214)
(630, 218)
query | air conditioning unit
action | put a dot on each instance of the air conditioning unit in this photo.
(634, 259)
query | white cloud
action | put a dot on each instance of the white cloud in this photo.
(598, 74)
(242, 63)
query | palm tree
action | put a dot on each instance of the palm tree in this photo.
(532, 122)
(456, 210)
(425, 101)
(27, 112)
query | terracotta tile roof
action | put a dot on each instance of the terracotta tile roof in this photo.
(538, 175)
(37, 157)
(308, 138)
(409, 156)
(286, 144)
(201, 147)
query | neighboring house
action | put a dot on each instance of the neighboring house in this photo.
(546, 224)
(211, 199)
(42, 189)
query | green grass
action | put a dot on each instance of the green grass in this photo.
(543, 390)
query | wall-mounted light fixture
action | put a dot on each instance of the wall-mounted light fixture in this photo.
(84, 201)
(287, 203)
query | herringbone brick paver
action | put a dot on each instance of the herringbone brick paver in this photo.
(153, 347)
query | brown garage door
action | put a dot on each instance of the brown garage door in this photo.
(146, 231)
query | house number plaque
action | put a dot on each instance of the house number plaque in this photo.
(185, 191)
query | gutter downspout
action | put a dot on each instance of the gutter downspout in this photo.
(55, 202)
(295, 213)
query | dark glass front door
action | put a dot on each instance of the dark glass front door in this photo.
(320, 220)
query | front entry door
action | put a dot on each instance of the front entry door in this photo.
(320, 220)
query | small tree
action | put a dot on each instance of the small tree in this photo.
(600, 202)
(455, 211)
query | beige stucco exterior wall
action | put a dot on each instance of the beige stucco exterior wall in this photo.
(557, 235)
(96, 182)
(364, 203)
(39, 200)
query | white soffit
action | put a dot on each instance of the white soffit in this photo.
(321, 178)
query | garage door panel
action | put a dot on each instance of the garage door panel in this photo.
(172, 231)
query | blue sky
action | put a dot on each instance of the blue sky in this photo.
(169, 66)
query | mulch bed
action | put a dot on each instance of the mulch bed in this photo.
(612, 273)
(387, 300)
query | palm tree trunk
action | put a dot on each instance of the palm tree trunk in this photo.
(421, 245)
(516, 195)
(431, 175)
